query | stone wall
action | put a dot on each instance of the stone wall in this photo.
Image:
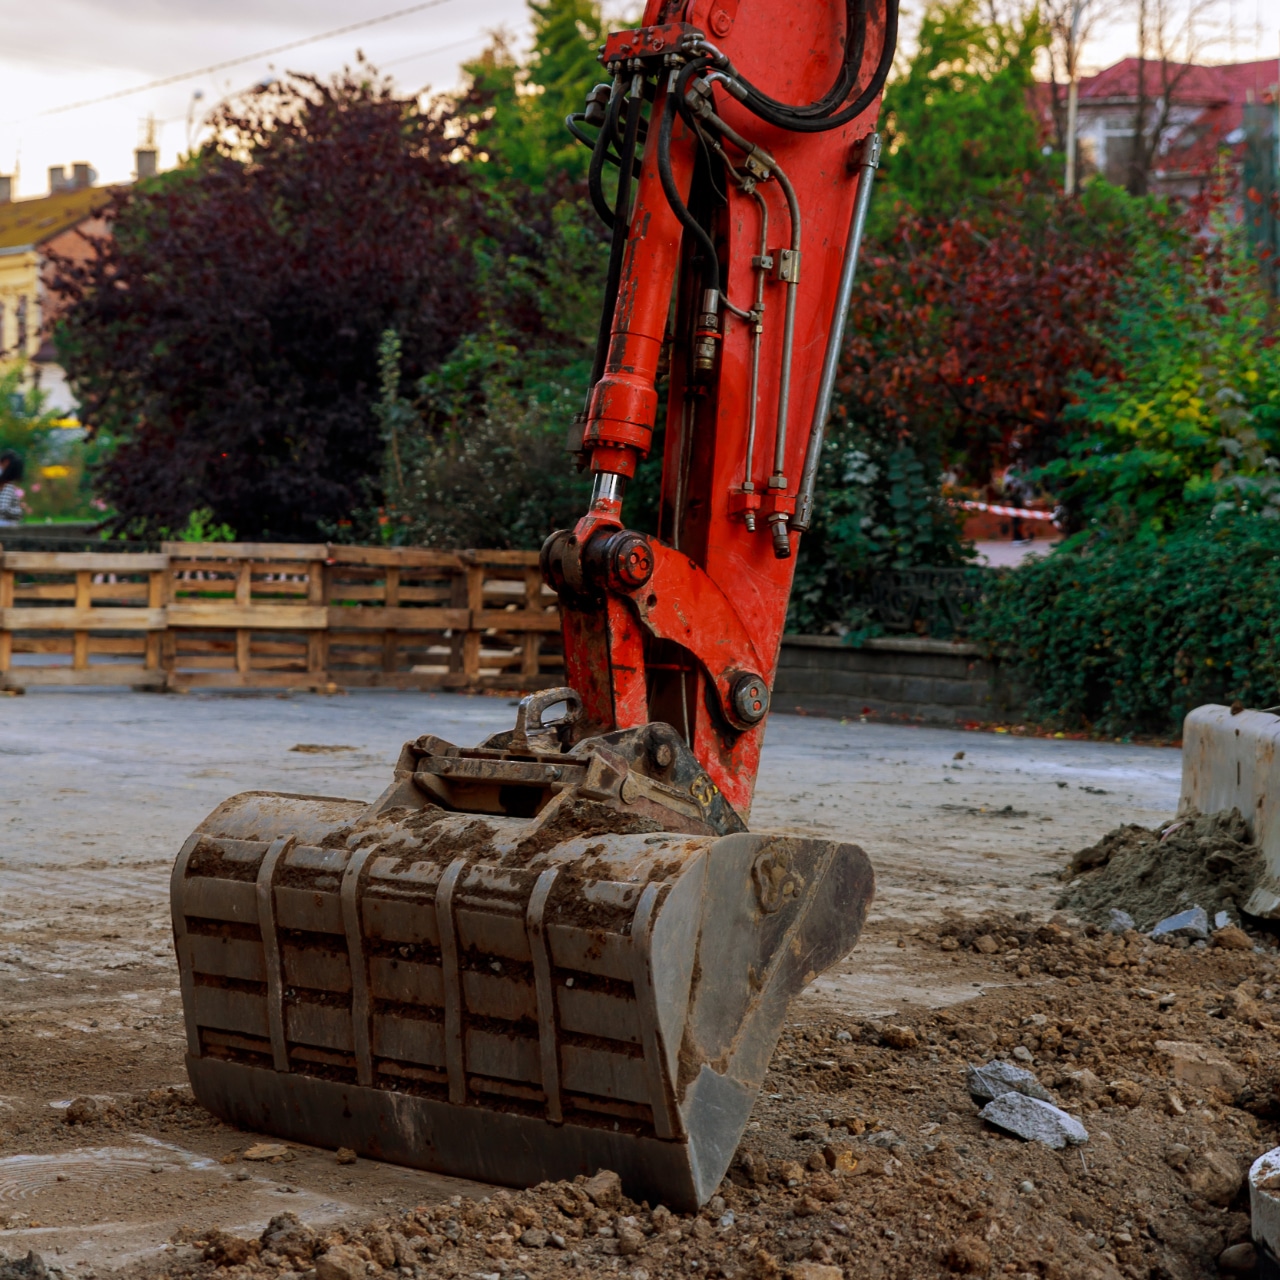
(893, 677)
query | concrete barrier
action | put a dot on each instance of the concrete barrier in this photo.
(894, 677)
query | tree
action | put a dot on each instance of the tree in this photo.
(969, 330)
(225, 337)
(1170, 42)
(26, 424)
(524, 105)
(1185, 428)
(480, 457)
(959, 122)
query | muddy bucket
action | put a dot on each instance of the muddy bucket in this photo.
(508, 999)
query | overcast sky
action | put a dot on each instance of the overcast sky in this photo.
(58, 52)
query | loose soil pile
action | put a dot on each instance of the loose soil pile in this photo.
(1201, 860)
(865, 1158)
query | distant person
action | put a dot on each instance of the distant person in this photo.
(1017, 493)
(11, 509)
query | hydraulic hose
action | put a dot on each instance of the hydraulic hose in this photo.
(620, 221)
(817, 118)
(855, 43)
(600, 153)
(674, 97)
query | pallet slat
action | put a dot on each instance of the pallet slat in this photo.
(272, 615)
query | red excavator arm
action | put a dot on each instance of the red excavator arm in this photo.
(561, 950)
(736, 230)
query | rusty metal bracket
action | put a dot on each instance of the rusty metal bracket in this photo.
(666, 1115)
(548, 1041)
(360, 1002)
(186, 974)
(265, 888)
(454, 1055)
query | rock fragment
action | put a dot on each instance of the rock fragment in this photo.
(382, 1247)
(967, 1255)
(1127, 1093)
(899, 1037)
(839, 1157)
(1195, 1064)
(1238, 1259)
(605, 1189)
(814, 1271)
(340, 1262)
(630, 1241)
(1120, 921)
(31, 1267)
(266, 1151)
(1232, 938)
(998, 1078)
(226, 1250)
(535, 1238)
(1193, 923)
(1034, 1120)
(1214, 1176)
(289, 1237)
(344, 1155)
(1082, 1082)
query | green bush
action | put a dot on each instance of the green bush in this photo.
(1189, 423)
(879, 506)
(1128, 635)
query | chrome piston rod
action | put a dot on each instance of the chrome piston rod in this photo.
(868, 165)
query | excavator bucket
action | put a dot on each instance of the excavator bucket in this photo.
(525, 961)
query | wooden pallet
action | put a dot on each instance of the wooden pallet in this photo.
(82, 618)
(278, 615)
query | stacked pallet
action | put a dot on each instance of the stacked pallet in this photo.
(83, 618)
(283, 616)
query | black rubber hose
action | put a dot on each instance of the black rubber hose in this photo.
(600, 153)
(572, 123)
(618, 246)
(674, 97)
(851, 63)
(802, 124)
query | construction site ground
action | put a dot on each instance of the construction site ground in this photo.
(865, 1155)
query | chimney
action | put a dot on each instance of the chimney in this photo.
(57, 178)
(82, 175)
(6, 191)
(144, 162)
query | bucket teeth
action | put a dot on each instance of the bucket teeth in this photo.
(499, 997)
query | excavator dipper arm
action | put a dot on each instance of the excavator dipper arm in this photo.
(562, 950)
(714, 312)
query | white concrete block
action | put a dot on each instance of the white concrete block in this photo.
(1232, 762)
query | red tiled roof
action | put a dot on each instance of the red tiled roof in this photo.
(1220, 92)
(1230, 83)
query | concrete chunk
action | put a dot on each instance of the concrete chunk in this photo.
(998, 1078)
(1121, 921)
(1193, 923)
(1196, 1065)
(1034, 1120)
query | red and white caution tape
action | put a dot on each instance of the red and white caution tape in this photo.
(1024, 512)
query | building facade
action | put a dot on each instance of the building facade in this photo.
(32, 232)
(1188, 118)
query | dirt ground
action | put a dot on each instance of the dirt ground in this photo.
(865, 1153)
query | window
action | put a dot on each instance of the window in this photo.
(20, 314)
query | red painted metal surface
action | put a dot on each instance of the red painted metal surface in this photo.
(717, 603)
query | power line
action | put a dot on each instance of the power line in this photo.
(409, 57)
(424, 53)
(249, 57)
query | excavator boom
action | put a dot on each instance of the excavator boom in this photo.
(563, 950)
